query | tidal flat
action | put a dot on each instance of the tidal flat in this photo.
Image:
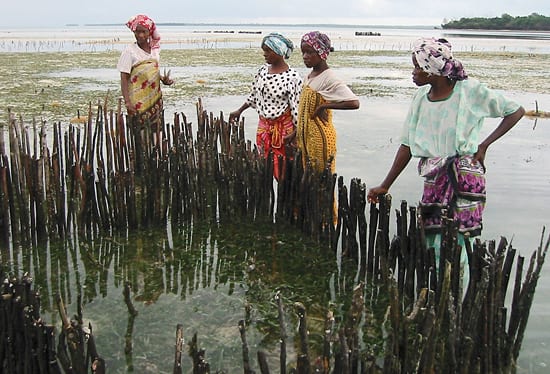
(56, 86)
(205, 279)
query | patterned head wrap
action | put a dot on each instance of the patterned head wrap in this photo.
(435, 57)
(143, 20)
(318, 41)
(278, 44)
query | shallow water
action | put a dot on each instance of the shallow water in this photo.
(518, 185)
(206, 278)
(211, 276)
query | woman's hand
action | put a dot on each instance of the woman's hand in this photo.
(290, 137)
(130, 109)
(168, 81)
(234, 116)
(480, 154)
(290, 140)
(372, 196)
(165, 78)
(321, 112)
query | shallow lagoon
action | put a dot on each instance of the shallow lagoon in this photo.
(204, 279)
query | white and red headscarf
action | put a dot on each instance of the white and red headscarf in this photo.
(149, 24)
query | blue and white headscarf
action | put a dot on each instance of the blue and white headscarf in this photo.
(434, 56)
(278, 44)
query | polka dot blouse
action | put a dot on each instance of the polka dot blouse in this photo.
(272, 94)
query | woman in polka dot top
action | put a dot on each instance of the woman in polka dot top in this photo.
(275, 94)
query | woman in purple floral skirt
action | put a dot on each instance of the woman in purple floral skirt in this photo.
(442, 130)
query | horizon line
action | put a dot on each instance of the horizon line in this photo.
(260, 24)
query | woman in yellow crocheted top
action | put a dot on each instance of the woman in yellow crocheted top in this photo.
(322, 92)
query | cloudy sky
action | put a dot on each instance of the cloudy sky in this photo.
(57, 13)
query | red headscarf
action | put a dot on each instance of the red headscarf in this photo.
(149, 24)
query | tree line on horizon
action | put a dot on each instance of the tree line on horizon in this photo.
(533, 22)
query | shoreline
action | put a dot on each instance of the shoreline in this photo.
(211, 35)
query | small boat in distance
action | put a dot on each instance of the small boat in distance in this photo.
(367, 33)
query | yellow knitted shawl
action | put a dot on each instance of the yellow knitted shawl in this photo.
(316, 138)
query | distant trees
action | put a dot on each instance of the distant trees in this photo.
(533, 22)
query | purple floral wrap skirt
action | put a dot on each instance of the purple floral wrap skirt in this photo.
(455, 184)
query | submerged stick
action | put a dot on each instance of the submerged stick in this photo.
(179, 349)
(244, 343)
(304, 364)
(283, 334)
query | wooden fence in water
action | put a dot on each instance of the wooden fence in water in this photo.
(96, 179)
(106, 176)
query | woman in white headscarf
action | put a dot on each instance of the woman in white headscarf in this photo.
(275, 93)
(442, 129)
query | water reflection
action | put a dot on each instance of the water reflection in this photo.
(205, 277)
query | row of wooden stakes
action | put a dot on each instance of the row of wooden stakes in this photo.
(110, 176)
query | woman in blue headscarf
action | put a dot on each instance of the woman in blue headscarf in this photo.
(275, 93)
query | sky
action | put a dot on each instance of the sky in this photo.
(58, 13)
